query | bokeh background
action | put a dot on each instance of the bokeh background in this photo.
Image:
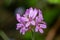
(8, 9)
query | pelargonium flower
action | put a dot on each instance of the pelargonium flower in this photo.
(31, 17)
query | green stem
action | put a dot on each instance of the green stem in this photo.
(33, 35)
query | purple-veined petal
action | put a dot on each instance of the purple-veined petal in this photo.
(33, 22)
(19, 26)
(43, 22)
(24, 19)
(31, 12)
(27, 24)
(43, 26)
(36, 29)
(40, 15)
(18, 17)
(22, 30)
(26, 13)
(40, 11)
(34, 13)
(38, 19)
(41, 31)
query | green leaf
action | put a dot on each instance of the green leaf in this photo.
(3, 35)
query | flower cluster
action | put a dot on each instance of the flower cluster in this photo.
(32, 17)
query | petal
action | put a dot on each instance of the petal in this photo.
(19, 26)
(43, 26)
(33, 22)
(43, 22)
(40, 15)
(36, 29)
(25, 29)
(18, 17)
(24, 19)
(40, 11)
(41, 31)
(38, 20)
(27, 24)
(34, 13)
(23, 32)
(31, 12)
(26, 13)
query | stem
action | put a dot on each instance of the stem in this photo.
(33, 35)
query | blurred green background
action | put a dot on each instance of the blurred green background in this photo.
(8, 9)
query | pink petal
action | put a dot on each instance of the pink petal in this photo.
(31, 12)
(34, 13)
(33, 22)
(40, 15)
(26, 13)
(24, 19)
(18, 17)
(44, 22)
(22, 30)
(41, 31)
(19, 26)
(27, 24)
(38, 20)
(36, 29)
(43, 26)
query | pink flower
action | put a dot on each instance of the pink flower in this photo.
(31, 17)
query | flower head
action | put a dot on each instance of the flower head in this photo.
(31, 17)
